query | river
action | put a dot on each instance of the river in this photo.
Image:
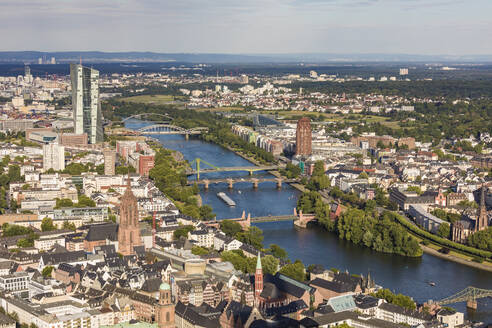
(316, 246)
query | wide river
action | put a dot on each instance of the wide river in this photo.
(315, 246)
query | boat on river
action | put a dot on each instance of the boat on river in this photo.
(226, 199)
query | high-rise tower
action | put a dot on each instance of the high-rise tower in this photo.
(85, 102)
(482, 219)
(53, 157)
(128, 230)
(109, 161)
(303, 137)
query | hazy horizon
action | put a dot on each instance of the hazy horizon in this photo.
(250, 27)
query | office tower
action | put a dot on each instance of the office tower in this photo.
(403, 71)
(53, 157)
(53, 61)
(109, 161)
(27, 71)
(40, 61)
(85, 102)
(128, 230)
(303, 137)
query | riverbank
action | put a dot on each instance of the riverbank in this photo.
(409, 276)
(456, 259)
(465, 260)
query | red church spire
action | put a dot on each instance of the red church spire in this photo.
(258, 279)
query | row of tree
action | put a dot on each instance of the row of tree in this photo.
(169, 177)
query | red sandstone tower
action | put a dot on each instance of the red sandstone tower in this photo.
(303, 137)
(258, 279)
(165, 309)
(128, 230)
(482, 220)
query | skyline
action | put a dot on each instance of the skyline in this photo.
(438, 27)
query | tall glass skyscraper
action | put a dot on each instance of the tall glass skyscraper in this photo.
(85, 102)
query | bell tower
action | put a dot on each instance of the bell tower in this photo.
(482, 219)
(165, 308)
(258, 279)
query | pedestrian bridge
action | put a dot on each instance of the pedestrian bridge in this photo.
(300, 220)
(469, 295)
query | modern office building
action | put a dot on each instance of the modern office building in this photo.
(85, 102)
(303, 137)
(53, 157)
(109, 161)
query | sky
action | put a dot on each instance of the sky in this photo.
(428, 27)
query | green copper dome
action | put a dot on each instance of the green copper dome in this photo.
(165, 286)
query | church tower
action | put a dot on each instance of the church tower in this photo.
(482, 219)
(258, 279)
(128, 230)
(165, 308)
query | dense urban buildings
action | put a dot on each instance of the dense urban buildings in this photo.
(104, 245)
(85, 102)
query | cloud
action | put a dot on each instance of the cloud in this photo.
(247, 26)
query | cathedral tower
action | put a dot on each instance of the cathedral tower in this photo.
(128, 230)
(482, 219)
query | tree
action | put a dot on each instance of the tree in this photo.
(47, 271)
(253, 236)
(269, 264)
(206, 212)
(415, 189)
(239, 260)
(14, 173)
(47, 224)
(10, 230)
(121, 170)
(64, 202)
(399, 299)
(85, 201)
(294, 270)
(69, 225)
(198, 250)
(466, 206)
(230, 228)
(183, 231)
(319, 168)
(444, 230)
(278, 251)
(100, 169)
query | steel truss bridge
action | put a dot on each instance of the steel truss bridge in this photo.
(212, 168)
(468, 295)
(170, 129)
(166, 117)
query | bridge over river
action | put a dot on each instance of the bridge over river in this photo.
(231, 181)
(299, 219)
